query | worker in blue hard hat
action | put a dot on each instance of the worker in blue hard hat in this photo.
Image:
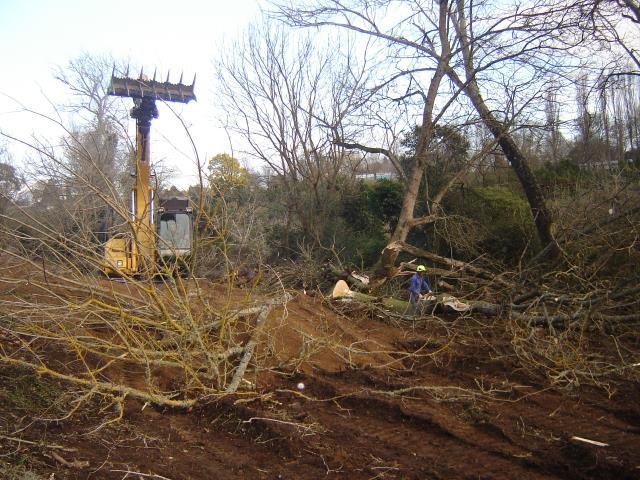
(418, 287)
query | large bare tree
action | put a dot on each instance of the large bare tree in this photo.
(286, 97)
(475, 45)
(409, 77)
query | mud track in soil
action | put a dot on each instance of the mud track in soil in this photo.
(456, 410)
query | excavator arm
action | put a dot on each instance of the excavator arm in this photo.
(131, 257)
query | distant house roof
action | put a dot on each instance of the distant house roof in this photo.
(376, 176)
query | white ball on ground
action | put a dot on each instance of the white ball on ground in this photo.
(301, 386)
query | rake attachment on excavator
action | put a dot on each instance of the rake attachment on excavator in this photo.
(142, 87)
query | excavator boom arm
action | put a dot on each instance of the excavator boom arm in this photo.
(132, 256)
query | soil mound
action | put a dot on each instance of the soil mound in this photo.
(332, 390)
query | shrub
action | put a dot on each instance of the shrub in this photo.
(508, 221)
(562, 177)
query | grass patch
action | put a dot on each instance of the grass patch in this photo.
(17, 472)
(24, 391)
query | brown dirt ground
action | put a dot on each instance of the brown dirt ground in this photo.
(382, 399)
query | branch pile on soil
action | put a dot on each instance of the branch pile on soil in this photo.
(151, 340)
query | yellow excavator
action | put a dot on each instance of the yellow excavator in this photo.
(159, 234)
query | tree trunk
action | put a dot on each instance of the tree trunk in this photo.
(405, 220)
(404, 225)
(499, 130)
(535, 197)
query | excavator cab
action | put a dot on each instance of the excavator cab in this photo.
(173, 238)
(174, 230)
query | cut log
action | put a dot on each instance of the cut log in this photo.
(354, 280)
(341, 290)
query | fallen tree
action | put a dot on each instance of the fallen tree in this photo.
(455, 266)
(532, 309)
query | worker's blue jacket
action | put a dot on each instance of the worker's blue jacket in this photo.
(417, 284)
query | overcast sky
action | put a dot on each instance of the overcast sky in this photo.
(183, 36)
